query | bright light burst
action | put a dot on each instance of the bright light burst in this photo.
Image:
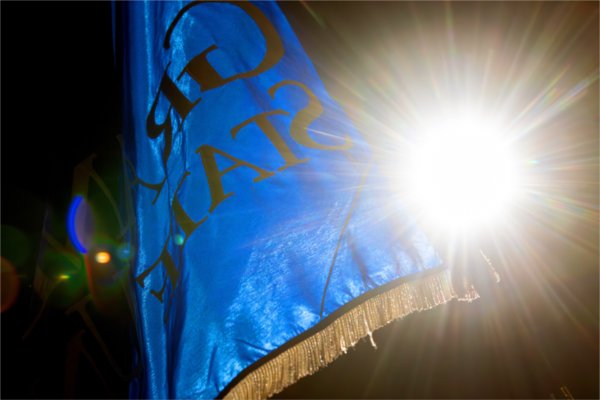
(462, 173)
(457, 100)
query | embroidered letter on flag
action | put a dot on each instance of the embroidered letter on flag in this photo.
(268, 240)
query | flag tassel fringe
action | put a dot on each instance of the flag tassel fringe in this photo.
(323, 347)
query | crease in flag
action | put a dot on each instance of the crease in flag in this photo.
(268, 239)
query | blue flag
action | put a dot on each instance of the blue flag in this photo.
(267, 239)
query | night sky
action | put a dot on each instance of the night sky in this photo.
(528, 336)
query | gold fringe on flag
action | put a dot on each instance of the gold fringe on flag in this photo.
(323, 347)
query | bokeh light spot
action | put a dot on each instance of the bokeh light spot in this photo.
(102, 257)
(178, 239)
(124, 252)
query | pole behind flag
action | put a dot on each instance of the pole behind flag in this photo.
(268, 240)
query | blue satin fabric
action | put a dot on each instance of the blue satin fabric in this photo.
(258, 271)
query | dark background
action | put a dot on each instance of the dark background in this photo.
(528, 336)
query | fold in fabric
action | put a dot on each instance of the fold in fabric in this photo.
(260, 210)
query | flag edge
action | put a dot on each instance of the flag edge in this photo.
(340, 331)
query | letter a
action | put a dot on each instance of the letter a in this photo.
(213, 175)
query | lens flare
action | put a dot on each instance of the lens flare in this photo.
(79, 224)
(179, 240)
(124, 252)
(10, 284)
(16, 245)
(102, 257)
